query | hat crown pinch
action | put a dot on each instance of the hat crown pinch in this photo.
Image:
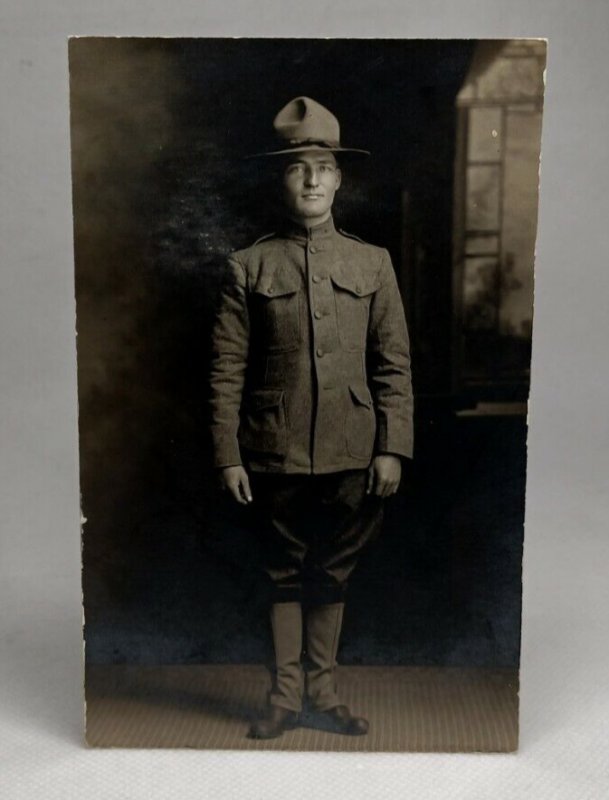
(304, 119)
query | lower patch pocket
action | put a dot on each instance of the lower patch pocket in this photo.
(263, 422)
(360, 423)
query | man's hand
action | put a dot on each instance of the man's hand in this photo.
(384, 475)
(236, 480)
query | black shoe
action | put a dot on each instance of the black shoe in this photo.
(340, 720)
(274, 724)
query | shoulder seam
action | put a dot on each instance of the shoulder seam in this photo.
(263, 238)
(351, 236)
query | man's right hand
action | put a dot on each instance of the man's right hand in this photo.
(236, 480)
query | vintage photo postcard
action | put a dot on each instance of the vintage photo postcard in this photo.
(304, 284)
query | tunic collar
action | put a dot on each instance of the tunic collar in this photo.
(293, 230)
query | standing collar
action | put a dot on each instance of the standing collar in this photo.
(294, 230)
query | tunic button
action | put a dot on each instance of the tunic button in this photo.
(320, 352)
(270, 290)
(316, 279)
(312, 249)
(358, 289)
(317, 315)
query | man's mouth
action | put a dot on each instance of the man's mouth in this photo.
(312, 196)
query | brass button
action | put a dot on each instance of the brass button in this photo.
(318, 315)
(312, 249)
(358, 289)
(270, 290)
(319, 352)
(316, 279)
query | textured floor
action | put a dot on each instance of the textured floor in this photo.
(210, 706)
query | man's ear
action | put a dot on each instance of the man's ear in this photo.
(339, 178)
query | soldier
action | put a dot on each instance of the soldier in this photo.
(311, 405)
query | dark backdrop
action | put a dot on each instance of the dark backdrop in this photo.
(161, 195)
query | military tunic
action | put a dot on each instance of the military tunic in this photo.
(310, 364)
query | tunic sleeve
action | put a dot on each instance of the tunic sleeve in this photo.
(388, 356)
(230, 346)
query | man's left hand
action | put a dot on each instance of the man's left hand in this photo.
(384, 475)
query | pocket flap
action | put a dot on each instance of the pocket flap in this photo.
(356, 284)
(361, 395)
(265, 398)
(277, 285)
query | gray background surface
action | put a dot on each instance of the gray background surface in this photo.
(565, 691)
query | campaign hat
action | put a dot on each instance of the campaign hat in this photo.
(304, 124)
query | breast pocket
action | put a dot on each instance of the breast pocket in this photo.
(278, 309)
(353, 296)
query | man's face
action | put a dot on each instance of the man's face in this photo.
(310, 181)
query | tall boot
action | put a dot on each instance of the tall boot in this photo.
(288, 684)
(285, 698)
(324, 623)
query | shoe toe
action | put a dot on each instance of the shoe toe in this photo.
(274, 725)
(358, 726)
(346, 723)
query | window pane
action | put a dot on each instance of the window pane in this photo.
(484, 137)
(481, 245)
(482, 203)
(480, 294)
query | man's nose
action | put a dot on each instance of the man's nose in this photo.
(311, 177)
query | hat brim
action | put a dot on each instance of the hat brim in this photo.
(308, 147)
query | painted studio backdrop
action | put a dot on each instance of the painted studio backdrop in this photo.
(161, 195)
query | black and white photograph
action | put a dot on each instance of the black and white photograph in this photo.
(304, 274)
